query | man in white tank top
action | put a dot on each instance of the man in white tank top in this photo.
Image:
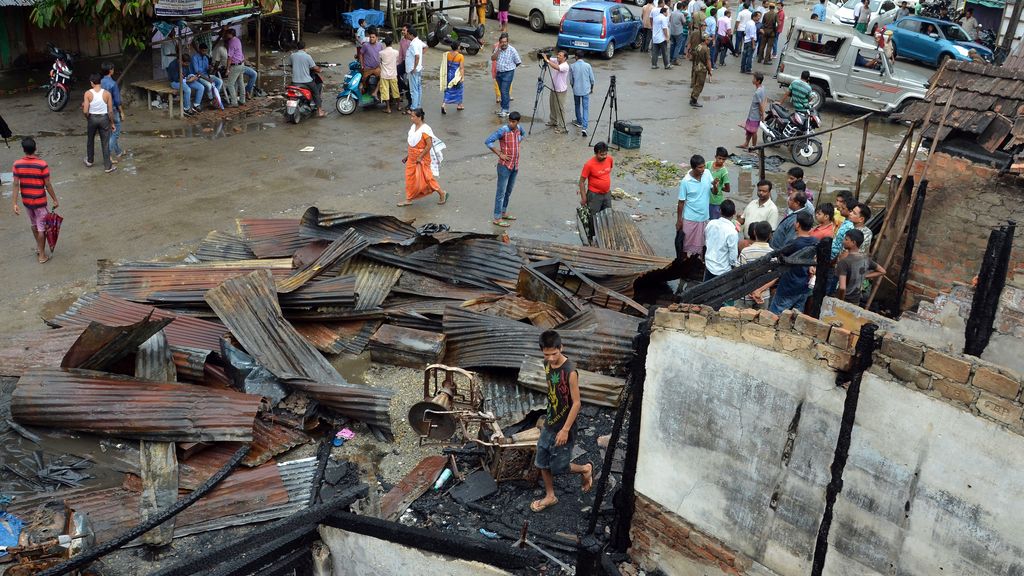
(98, 108)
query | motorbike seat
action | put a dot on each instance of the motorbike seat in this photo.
(779, 110)
(474, 31)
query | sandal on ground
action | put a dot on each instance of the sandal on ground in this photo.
(460, 107)
(44, 259)
(508, 217)
(500, 222)
(538, 506)
(443, 195)
(403, 204)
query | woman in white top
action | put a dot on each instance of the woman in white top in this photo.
(423, 162)
(99, 114)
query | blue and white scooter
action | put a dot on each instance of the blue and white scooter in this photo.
(350, 96)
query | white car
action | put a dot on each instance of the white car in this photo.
(540, 14)
(883, 12)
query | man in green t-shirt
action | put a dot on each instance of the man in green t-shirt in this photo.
(800, 92)
(719, 182)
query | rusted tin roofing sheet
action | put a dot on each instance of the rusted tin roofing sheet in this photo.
(248, 306)
(271, 237)
(376, 228)
(183, 332)
(126, 407)
(416, 284)
(270, 439)
(374, 281)
(481, 262)
(508, 401)
(614, 230)
(593, 261)
(100, 346)
(223, 246)
(347, 245)
(246, 492)
(597, 341)
(337, 337)
(595, 388)
(174, 282)
(517, 308)
(44, 348)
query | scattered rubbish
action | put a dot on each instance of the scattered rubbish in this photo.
(772, 163)
(52, 474)
(10, 531)
(841, 165)
(620, 194)
(488, 534)
(338, 442)
(445, 476)
(307, 149)
(23, 432)
(346, 434)
(477, 486)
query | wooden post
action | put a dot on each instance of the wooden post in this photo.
(259, 41)
(892, 162)
(863, 151)
(828, 152)
(181, 79)
(760, 164)
(158, 462)
(908, 249)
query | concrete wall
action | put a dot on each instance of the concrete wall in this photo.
(935, 478)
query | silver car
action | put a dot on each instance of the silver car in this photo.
(847, 67)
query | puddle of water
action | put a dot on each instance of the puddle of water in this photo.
(324, 174)
(105, 454)
(352, 368)
(210, 130)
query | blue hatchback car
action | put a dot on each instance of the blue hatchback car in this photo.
(599, 27)
(933, 41)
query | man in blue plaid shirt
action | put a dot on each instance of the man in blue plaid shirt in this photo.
(507, 59)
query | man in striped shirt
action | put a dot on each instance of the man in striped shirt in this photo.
(504, 143)
(32, 183)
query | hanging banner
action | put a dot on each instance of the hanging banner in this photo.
(178, 8)
(219, 6)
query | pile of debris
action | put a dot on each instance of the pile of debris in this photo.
(219, 361)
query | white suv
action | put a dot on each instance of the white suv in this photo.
(539, 13)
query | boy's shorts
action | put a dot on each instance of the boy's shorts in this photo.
(36, 216)
(551, 457)
(503, 16)
(389, 89)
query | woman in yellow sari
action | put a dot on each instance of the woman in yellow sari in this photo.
(423, 161)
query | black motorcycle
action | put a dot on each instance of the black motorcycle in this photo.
(58, 91)
(468, 37)
(781, 124)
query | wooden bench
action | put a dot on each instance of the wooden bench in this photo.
(156, 87)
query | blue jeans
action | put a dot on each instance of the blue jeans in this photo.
(506, 180)
(783, 302)
(747, 62)
(737, 41)
(250, 79)
(188, 90)
(415, 88)
(115, 146)
(678, 45)
(714, 53)
(582, 110)
(214, 83)
(505, 88)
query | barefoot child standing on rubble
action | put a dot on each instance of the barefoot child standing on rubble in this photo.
(554, 449)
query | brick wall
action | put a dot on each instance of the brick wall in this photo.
(659, 535)
(965, 201)
(969, 383)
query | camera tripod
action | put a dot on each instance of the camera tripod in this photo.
(613, 113)
(541, 86)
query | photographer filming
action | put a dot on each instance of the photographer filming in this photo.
(559, 98)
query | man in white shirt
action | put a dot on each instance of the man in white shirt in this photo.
(659, 38)
(761, 208)
(696, 8)
(414, 67)
(722, 243)
(740, 32)
(970, 25)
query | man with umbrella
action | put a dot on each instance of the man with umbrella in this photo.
(32, 181)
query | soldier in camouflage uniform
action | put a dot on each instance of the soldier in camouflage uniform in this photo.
(700, 72)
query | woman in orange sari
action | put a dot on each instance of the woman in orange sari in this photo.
(421, 165)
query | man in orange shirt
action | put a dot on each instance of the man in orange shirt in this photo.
(32, 183)
(596, 180)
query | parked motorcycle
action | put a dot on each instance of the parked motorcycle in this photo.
(780, 124)
(468, 37)
(350, 94)
(59, 88)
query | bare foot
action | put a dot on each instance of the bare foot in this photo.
(602, 441)
(403, 204)
(540, 505)
(588, 478)
(44, 259)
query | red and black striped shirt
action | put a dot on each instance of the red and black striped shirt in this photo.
(32, 173)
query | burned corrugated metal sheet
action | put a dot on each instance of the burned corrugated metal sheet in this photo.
(508, 401)
(347, 245)
(183, 332)
(190, 363)
(415, 284)
(615, 230)
(271, 237)
(338, 337)
(568, 289)
(593, 261)
(376, 228)
(126, 407)
(223, 246)
(248, 305)
(517, 308)
(600, 341)
(45, 348)
(100, 346)
(596, 389)
(339, 291)
(246, 491)
(175, 282)
(482, 262)
(374, 281)
(270, 439)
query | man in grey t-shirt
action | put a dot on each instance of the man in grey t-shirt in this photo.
(303, 68)
(758, 104)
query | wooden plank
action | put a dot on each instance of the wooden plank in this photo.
(406, 346)
(411, 487)
(158, 461)
(595, 388)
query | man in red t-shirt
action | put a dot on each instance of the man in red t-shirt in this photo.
(596, 180)
(32, 183)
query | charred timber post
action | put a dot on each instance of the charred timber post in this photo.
(860, 363)
(908, 249)
(863, 152)
(822, 270)
(991, 280)
(625, 500)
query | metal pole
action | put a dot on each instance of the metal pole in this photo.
(908, 249)
(259, 40)
(760, 164)
(863, 152)
(181, 78)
